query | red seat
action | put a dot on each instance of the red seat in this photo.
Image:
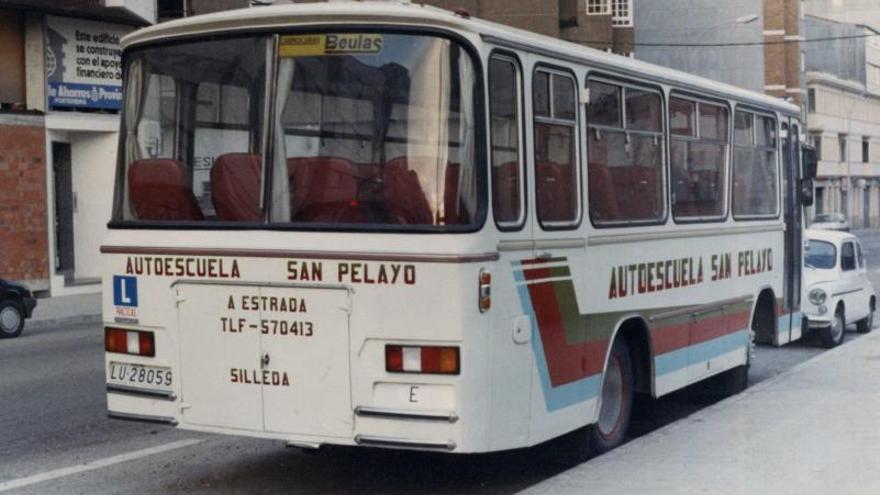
(324, 189)
(158, 190)
(603, 197)
(454, 212)
(554, 192)
(638, 198)
(405, 199)
(506, 188)
(235, 187)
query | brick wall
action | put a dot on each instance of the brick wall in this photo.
(24, 249)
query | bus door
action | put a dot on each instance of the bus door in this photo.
(790, 320)
(510, 341)
(265, 357)
(559, 242)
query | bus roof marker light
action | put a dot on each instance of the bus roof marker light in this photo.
(585, 96)
(462, 12)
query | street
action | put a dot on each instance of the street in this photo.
(55, 436)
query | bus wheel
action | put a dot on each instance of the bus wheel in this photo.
(616, 401)
(833, 335)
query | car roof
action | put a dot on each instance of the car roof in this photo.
(834, 236)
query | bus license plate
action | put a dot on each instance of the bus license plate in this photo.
(140, 375)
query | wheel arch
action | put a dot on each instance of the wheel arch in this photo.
(764, 307)
(11, 295)
(636, 330)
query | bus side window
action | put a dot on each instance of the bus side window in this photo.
(556, 173)
(698, 158)
(625, 169)
(755, 171)
(508, 195)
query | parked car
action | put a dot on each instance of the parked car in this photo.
(16, 304)
(830, 221)
(836, 286)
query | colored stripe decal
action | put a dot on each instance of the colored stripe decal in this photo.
(681, 358)
(782, 323)
(560, 396)
(570, 347)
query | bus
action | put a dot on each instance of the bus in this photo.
(390, 225)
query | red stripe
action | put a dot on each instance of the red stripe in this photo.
(563, 361)
(566, 363)
(670, 337)
(673, 337)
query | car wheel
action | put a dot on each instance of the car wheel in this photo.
(11, 319)
(865, 325)
(616, 401)
(833, 335)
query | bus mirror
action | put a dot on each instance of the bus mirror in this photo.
(807, 192)
(810, 162)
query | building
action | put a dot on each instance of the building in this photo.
(843, 117)
(60, 92)
(755, 44)
(603, 24)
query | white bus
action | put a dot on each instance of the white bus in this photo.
(392, 225)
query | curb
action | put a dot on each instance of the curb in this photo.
(620, 454)
(45, 323)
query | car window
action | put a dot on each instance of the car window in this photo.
(847, 257)
(829, 217)
(820, 254)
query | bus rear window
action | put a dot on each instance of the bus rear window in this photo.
(193, 132)
(381, 136)
(369, 129)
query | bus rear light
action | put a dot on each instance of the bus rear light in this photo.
(129, 342)
(485, 291)
(422, 359)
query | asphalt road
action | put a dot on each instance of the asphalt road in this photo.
(55, 436)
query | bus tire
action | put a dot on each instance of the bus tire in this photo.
(832, 336)
(11, 319)
(616, 401)
(735, 380)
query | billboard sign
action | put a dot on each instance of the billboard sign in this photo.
(84, 63)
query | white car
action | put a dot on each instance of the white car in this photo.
(830, 221)
(836, 286)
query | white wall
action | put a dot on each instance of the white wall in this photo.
(93, 139)
(93, 156)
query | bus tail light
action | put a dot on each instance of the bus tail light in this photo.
(422, 359)
(129, 342)
(485, 291)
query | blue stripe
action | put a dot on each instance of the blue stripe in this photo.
(564, 395)
(704, 351)
(782, 325)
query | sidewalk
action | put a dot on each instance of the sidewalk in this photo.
(813, 429)
(66, 310)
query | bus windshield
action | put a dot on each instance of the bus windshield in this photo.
(363, 129)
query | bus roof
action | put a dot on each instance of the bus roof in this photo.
(420, 15)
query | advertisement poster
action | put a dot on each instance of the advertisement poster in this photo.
(83, 63)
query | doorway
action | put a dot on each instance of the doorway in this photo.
(64, 209)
